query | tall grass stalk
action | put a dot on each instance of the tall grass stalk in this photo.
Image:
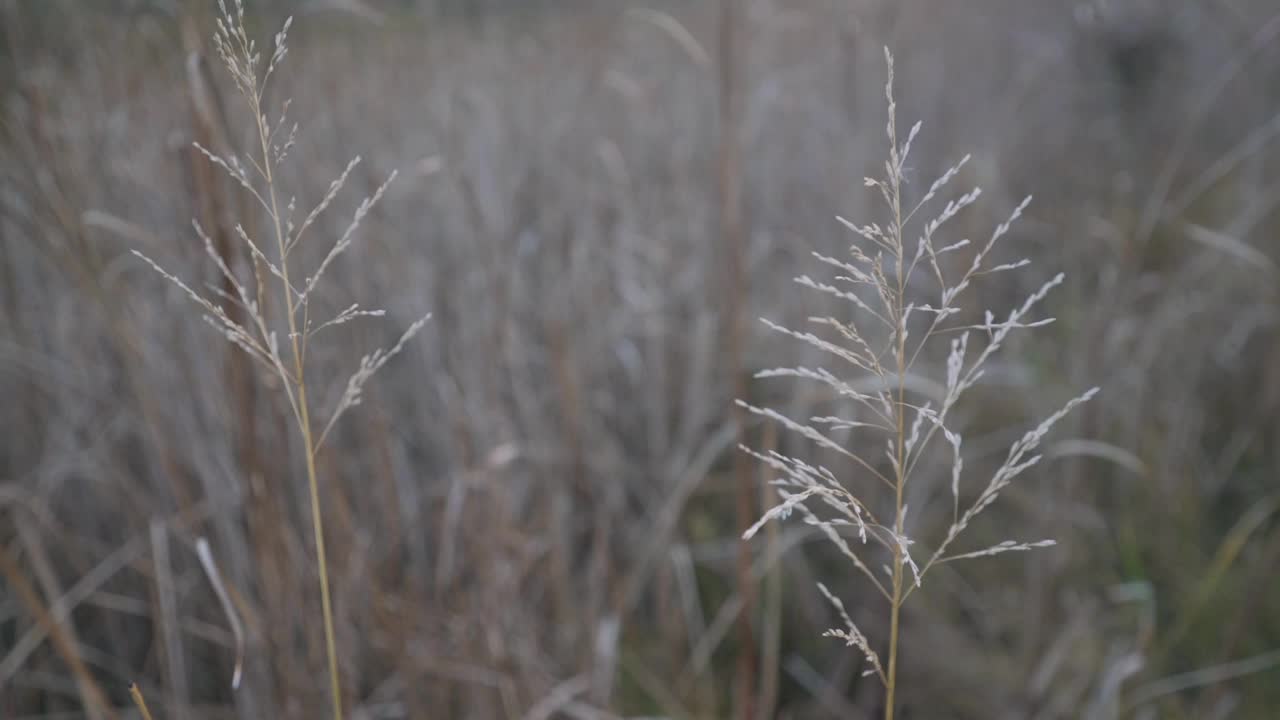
(877, 281)
(259, 335)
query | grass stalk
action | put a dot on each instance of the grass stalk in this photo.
(322, 564)
(900, 478)
(304, 420)
(138, 700)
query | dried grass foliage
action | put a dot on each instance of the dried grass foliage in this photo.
(533, 511)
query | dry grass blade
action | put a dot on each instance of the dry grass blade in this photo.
(54, 624)
(233, 619)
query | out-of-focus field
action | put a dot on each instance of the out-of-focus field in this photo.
(533, 513)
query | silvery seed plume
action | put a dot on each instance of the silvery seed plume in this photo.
(871, 360)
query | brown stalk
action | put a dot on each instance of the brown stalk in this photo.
(214, 206)
(729, 187)
(62, 635)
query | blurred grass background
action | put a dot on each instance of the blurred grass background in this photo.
(536, 513)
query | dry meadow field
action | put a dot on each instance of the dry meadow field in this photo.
(542, 502)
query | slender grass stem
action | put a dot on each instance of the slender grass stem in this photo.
(138, 700)
(304, 425)
(900, 481)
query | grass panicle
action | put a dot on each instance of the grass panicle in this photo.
(879, 280)
(263, 332)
